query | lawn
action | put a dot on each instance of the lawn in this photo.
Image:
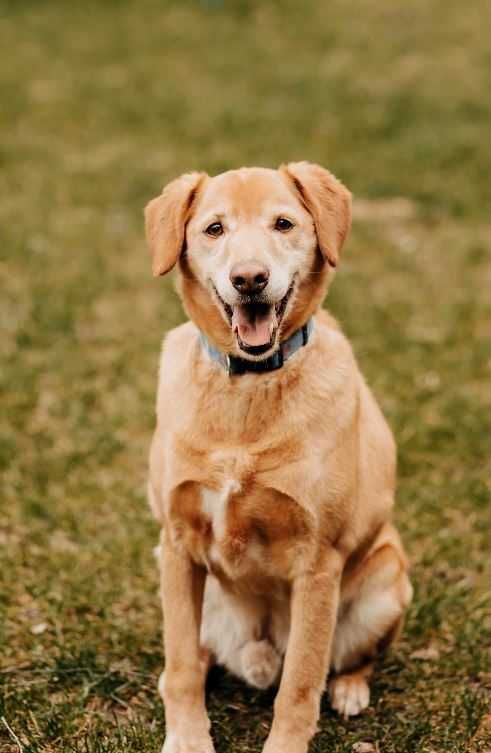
(101, 104)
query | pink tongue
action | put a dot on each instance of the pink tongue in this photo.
(255, 332)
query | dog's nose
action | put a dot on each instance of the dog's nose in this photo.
(249, 277)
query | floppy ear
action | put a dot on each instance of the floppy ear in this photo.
(327, 200)
(166, 218)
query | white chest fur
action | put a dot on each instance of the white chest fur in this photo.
(214, 507)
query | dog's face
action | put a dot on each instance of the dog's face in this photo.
(250, 242)
(255, 247)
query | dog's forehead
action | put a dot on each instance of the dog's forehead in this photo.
(246, 192)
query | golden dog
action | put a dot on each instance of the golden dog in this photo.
(272, 469)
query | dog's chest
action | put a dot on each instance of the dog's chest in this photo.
(239, 528)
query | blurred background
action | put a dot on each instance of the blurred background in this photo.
(101, 104)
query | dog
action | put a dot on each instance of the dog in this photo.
(272, 469)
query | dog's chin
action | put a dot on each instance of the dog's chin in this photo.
(256, 323)
(257, 352)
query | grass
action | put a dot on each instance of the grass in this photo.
(104, 102)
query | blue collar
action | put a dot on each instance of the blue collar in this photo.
(234, 365)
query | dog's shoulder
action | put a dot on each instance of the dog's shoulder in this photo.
(178, 338)
(177, 351)
(334, 364)
(332, 336)
(327, 320)
(177, 347)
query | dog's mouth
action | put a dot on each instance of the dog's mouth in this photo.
(255, 321)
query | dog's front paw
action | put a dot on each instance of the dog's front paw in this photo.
(188, 743)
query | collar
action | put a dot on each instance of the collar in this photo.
(234, 365)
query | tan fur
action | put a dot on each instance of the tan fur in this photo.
(165, 221)
(274, 491)
(328, 202)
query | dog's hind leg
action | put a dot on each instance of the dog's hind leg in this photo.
(260, 663)
(349, 692)
(232, 631)
(370, 617)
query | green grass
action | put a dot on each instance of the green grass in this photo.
(102, 103)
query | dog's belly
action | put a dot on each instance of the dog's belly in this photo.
(242, 534)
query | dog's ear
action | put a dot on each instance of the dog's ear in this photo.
(327, 200)
(166, 218)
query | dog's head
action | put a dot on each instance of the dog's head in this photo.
(255, 249)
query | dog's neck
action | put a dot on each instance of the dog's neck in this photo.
(234, 365)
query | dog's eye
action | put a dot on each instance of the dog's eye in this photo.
(215, 229)
(283, 225)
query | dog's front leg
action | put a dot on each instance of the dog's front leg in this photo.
(182, 685)
(314, 605)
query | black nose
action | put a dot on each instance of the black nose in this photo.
(249, 277)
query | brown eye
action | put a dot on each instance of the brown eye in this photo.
(215, 229)
(283, 225)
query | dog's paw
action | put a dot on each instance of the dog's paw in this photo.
(190, 734)
(260, 664)
(349, 694)
(187, 744)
